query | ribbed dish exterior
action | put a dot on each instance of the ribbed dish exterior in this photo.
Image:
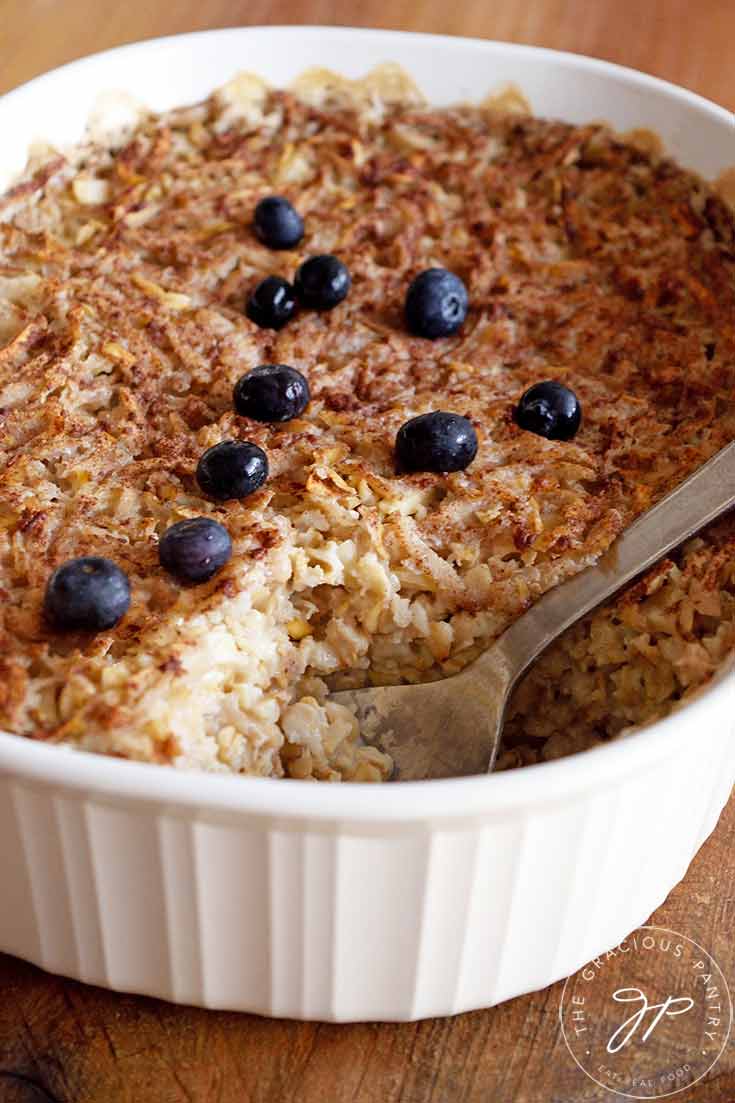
(338, 920)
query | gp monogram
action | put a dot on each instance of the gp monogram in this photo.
(670, 1008)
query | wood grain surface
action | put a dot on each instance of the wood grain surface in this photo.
(63, 1041)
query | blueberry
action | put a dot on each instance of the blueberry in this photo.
(232, 469)
(194, 550)
(87, 594)
(272, 392)
(437, 441)
(549, 409)
(272, 303)
(322, 282)
(277, 223)
(436, 303)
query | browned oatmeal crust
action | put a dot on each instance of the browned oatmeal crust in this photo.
(123, 276)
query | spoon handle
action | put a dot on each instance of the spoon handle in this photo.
(700, 499)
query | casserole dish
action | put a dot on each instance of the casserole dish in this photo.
(354, 902)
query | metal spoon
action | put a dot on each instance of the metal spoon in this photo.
(452, 727)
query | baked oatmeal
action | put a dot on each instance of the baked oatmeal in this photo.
(131, 304)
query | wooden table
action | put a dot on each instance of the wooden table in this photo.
(63, 1041)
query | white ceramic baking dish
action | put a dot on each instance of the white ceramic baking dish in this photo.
(354, 902)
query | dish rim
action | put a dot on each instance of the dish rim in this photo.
(487, 796)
